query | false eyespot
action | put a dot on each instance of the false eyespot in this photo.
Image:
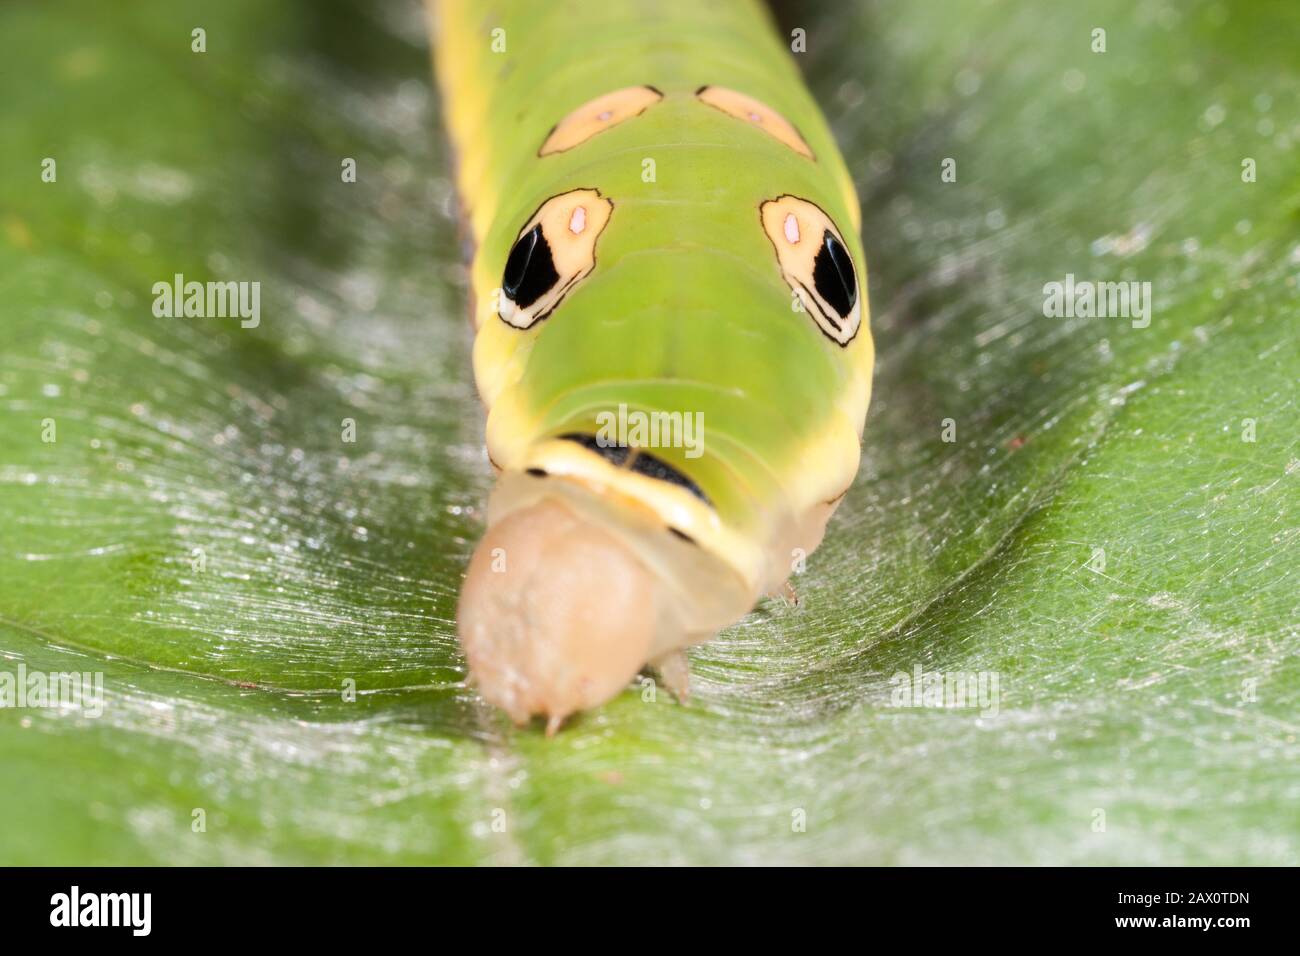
(816, 263)
(554, 251)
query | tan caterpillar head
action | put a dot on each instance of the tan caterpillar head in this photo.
(557, 614)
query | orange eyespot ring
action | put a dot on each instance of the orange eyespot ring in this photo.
(749, 110)
(555, 250)
(816, 264)
(598, 115)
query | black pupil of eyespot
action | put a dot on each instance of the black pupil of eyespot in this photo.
(833, 275)
(530, 270)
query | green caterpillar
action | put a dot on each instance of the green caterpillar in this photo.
(672, 336)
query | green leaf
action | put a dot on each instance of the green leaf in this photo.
(1100, 537)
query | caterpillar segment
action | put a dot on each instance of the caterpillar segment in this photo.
(671, 336)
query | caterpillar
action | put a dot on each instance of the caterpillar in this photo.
(671, 332)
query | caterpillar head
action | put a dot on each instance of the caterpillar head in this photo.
(557, 614)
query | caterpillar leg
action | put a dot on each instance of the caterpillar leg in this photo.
(675, 672)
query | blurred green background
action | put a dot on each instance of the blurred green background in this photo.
(201, 534)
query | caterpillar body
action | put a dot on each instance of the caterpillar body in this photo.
(671, 338)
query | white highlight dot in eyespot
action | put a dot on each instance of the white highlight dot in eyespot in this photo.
(604, 116)
(578, 221)
(791, 228)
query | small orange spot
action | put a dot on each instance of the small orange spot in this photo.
(598, 115)
(747, 108)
